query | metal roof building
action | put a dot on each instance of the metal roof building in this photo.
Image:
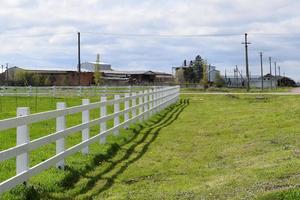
(90, 66)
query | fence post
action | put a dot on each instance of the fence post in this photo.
(133, 104)
(145, 104)
(30, 91)
(53, 91)
(178, 92)
(22, 161)
(117, 117)
(126, 106)
(86, 132)
(153, 100)
(140, 106)
(128, 90)
(172, 92)
(154, 97)
(79, 91)
(174, 95)
(60, 125)
(171, 100)
(166, 98)
(163, 92)
(103, 124)
(150, 102)
(159, 95)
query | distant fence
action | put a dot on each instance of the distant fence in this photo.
(191, 85)
(137, 106)
(56, 91)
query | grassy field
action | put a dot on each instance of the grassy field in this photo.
(205, 147)
(234, 90)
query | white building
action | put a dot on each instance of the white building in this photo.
(212, 74)
(268, 83)
(255, 81)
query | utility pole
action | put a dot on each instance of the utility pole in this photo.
(7, 74)
(247, 62)
(209, 73)
(261, 71)
(275, 74)
(236, 76)
(3, 77)
(279, 75)
(79, 61)
(270, 61)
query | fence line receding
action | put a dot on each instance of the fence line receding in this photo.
(138, 106)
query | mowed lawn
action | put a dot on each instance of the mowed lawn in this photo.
(205, 147)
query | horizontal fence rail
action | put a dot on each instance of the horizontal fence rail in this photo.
(56, 91)
(138, 106)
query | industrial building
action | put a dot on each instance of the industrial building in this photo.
(269, 81)
(58, 77)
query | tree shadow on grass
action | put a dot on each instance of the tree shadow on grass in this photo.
(149, 132)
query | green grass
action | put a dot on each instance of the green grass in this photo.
(209, 147)
(290, 194)
(235, 90)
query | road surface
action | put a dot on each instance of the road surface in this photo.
(296, 90)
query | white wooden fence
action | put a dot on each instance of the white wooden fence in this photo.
(55, 91)
(137, 106)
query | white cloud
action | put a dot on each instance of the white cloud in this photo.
(41, 33)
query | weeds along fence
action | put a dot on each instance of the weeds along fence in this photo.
(137, 107)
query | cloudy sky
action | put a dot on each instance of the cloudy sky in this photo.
(150, 34)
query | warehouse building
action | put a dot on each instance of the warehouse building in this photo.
(49, 77)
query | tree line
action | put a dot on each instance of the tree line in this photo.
(25, 78)
(197, 72)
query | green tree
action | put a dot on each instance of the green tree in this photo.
(194, 73)
(47, 81)
(97, 74)
(189, 75)
(198, 69)
(36, 79)
(219, 81)
(21, 77)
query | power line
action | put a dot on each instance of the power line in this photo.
(274, 34)
(13, 35)
(163, 35)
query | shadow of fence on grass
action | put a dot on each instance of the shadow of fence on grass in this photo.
(149, 132)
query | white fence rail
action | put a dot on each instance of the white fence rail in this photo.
(69, 90)
(137, 106)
